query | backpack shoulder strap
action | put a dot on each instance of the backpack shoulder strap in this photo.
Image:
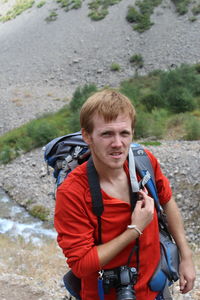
(144, 168)
(95, 190)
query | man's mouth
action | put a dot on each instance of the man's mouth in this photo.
(116, 154)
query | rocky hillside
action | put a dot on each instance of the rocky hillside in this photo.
(42, 63)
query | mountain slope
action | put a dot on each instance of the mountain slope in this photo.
(39, 58)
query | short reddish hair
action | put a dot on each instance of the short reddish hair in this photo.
(108, 104)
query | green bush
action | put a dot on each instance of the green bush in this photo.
(180, 87)
(141, 128)
(6, 154)
(115, 67)
(137, 60)
(69, 4)
(99, 8)
(181, 6)
(19, 7)
(179, 100)
(141, 18)
(76, 4)
(151, 124)
(158, 122)
(40, 212)
(33, 134)
(73, 122)
(196, 9)
(152, 100)
(40, 4)
(197, 68)
(133, 15)
(147, 6)
(80, 95)
(52, 16)
(41, 132)
(192, 128)
(97, 15)
(131, 90)
(192, 19)
(185, 76)
(143, 24)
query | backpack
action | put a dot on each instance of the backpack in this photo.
(65, 153)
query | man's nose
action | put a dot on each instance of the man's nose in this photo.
(117, 141)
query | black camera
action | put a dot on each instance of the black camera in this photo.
(122, 279)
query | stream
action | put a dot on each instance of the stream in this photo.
(15, 222)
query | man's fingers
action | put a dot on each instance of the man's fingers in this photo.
(186, 285)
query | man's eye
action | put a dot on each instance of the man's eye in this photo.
(106, 133)
(125, 133)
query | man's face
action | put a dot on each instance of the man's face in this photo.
(109, 142)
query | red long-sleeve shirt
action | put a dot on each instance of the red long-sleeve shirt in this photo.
(78, 231)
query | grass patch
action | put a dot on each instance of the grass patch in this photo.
(52, 16)
(137, 61)
(41, 4)
(115, 67)
(99, 8)
(34, 134)
(192, 128)
(18, 8)
(196, 9)
(151, 143)
(40, 212)
(69, 4)
(181, 6)
(140, 14)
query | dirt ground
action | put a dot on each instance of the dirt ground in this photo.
(12, 291)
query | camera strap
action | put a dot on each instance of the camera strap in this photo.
(137, 250)
(100, 285)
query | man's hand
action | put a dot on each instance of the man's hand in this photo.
(143, 212)
(186, 268)
(187, 275)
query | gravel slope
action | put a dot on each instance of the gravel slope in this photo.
(41, 61)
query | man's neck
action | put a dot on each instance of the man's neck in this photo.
(108, 174)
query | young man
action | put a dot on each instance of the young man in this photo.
(107, 121)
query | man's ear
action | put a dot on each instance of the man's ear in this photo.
(86, 136)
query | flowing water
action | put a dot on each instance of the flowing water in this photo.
(15, 221)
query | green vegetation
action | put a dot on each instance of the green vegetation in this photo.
(40, 212)
(79, 97)
(40, 4)
(161, 95)
(99, 8)
(137, 61)
(165, 102)
(192, 127)
(151, 143)
(196, 9)
(19, 7)
(115, 67)
(69, 4)
(52, 16)
(34, 134)
(140, 15)
(192, 19)
(181, 6)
